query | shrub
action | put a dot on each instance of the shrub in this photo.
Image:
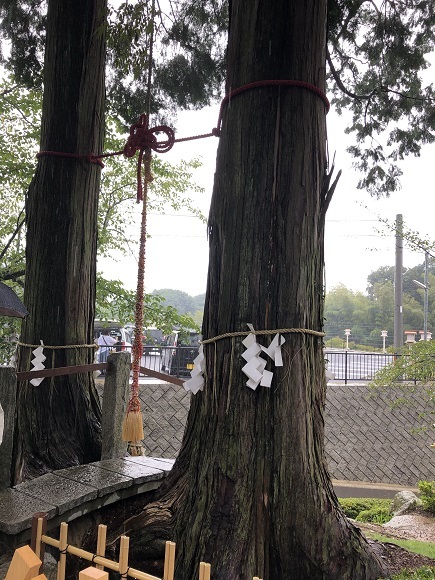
(375, 510)
(376, 515)
(427, 495)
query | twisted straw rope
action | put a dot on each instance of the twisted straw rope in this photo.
(279, 330)
(56, 347)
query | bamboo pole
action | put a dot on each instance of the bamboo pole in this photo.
(133, 573)
(41, 524)
(63, 543)
(123, 556)
(169, 568)
(101, 543)
(204, 571)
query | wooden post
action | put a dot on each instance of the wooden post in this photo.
(39, 524)
(169, 568)
(25, 564)
(8, 397)
(123, 556)
(101, 543)
(204, 571)
(93, 574)
(63, 543)
(115, 397)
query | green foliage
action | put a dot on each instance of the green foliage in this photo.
(424, 573)
(181, 300)
(20, 111)
(423, 548)
(19, 134)
(114, 302)
(9, 331)
(377, 53)
(415, 364)
(188, 66)
(377, 57)
(367, 315)
(117, 210)
(366, 509)
(427, 495)
(375, 515)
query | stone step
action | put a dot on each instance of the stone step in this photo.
(69, 493)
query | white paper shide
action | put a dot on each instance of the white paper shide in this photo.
(37, 362)
(255, 367)
(196, 382)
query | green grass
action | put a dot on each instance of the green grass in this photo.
(422, 548)
(425, 573)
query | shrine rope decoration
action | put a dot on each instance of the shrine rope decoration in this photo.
(255, 367)
(144, 140)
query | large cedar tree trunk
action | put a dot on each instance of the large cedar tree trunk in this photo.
(250, 491)
(58, 422)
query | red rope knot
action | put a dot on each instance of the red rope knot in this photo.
(143, 139)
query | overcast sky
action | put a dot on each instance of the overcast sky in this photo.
(177, 253)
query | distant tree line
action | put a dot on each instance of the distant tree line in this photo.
(368, 314)
(192, 306)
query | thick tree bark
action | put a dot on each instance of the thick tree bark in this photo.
(257, 496)
(58, 422)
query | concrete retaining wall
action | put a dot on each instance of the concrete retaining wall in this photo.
(369, 437)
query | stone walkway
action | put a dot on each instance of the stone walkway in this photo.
(70, 493)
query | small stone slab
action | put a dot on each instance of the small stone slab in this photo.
(95, 475)
(139, 472)
(17, 510)
(64, 493)
(153, 462)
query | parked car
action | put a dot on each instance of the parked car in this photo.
(179, 350)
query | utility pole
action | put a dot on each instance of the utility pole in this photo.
(398, 286)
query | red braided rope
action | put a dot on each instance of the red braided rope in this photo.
(90, 157)
(134, 402)
(142, 138)
(268, 83)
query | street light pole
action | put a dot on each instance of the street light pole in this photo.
(426, 295)
(425, 287)
(384, 334)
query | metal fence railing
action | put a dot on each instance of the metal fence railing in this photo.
(342, 365)
(172, 360)
(356, 366)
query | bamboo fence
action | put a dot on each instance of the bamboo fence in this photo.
(98, 560)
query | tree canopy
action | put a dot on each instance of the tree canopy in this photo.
(377, 56)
